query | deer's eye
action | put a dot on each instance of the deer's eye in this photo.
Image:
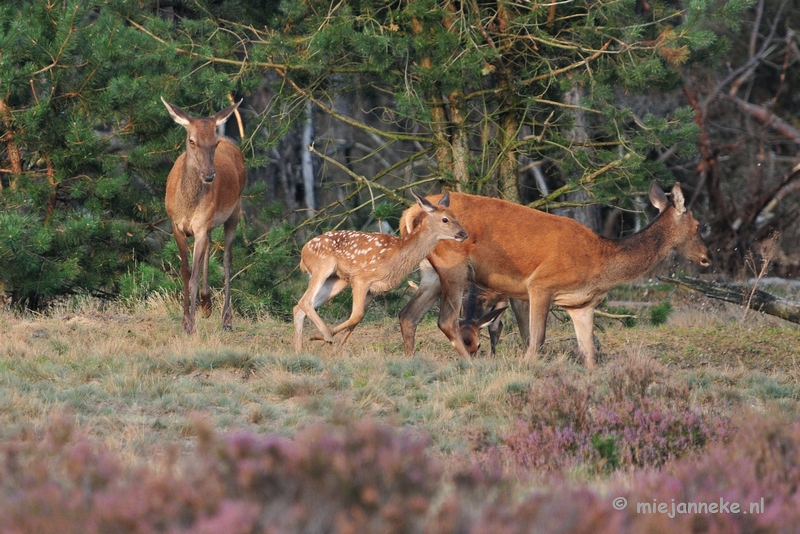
(445, 220)
(191, 142)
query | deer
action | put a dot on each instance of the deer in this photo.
(544, 259)
(371, 263)
(204, 191)
(482, 308)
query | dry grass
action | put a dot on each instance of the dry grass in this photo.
(134, 380)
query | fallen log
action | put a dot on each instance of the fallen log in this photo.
(756, 299)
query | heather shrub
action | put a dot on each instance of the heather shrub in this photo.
(762, 460)
(760, 466)
(360, 478)
(636, 418)
(61, 484)
(368, 478)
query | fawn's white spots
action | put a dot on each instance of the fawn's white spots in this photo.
(360, 248)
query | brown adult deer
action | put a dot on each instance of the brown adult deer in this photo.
(204, 190)
(543, 259)
(370, 263)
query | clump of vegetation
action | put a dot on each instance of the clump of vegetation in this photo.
(660, 313)
(369, 478)
(643, 420)
(366, 478)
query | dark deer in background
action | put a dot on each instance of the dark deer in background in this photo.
(482, 308)
(371, 263)
(544, 259)
(204, 190)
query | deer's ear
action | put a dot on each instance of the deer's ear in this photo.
(221, 116)
(490, 317)
(677, 198)
(657, 197)
(177, 114)
(445, 200)
(424, 203)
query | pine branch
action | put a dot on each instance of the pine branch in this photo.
(574, 186)
(357, 177)
(347, 120)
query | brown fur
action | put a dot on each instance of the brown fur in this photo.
(543, 259)
(482, 307)
(204, 190)
(370, 263)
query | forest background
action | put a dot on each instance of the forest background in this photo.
(570, 106)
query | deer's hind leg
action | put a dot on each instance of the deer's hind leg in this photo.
(323, 286)
(227, 260)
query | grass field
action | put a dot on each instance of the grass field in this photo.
(134, 383)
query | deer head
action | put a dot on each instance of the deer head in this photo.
(470, 329)
(690, 244)
(201, 139)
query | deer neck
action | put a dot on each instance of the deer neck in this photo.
(411, 250)
(192, 190)
(635, 255)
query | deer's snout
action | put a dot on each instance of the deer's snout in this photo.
(701, 256)
(208, 177)
(461, 236)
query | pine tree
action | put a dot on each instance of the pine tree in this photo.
(487, 83)
(86, 143)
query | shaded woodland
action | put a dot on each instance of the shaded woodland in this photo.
(569, 107)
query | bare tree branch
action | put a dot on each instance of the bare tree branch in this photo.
(767, 117)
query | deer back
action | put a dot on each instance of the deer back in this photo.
(509, 245)
(383, 259)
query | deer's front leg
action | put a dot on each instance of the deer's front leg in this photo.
(361, 299)
(428, 291)
(199, 257)
(583, 320)
(183, 252)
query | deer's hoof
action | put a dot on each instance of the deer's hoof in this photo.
(188, 326)
(205, 304)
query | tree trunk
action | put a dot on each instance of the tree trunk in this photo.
(460, 141)
(753, 298)
(307, 162)
(508, 168)
(588, 215)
